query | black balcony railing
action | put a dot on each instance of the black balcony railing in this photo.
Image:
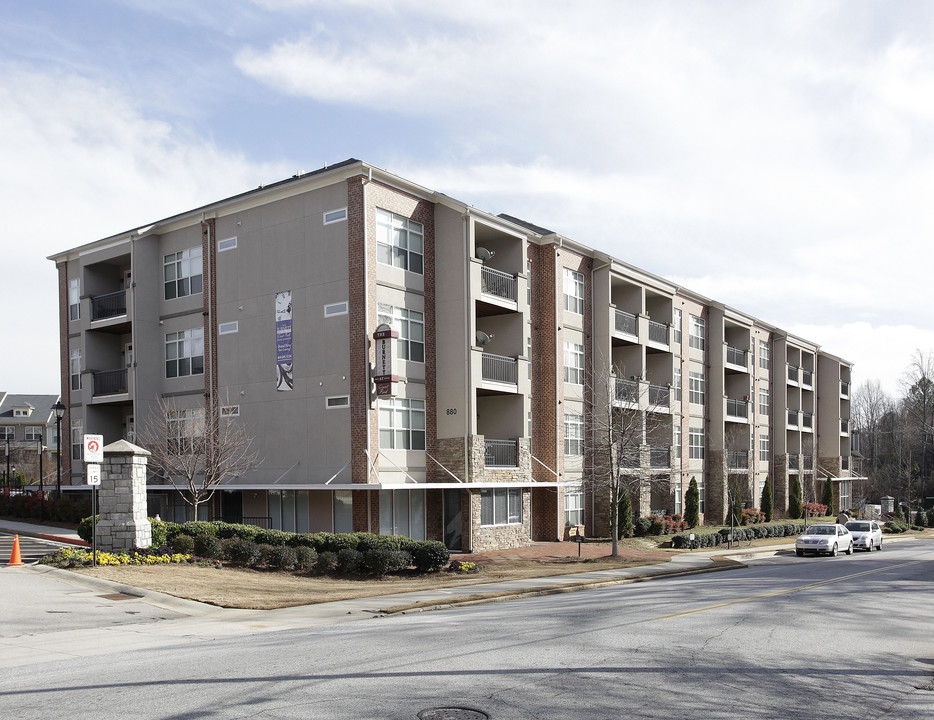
(627, 390)
(735, 356)
(844, 426)
(497, 368)
(793, 373)
(737, 460)
(498, 283)
(501, 453)
(737, 408)
(806, 378)
(110, 382)
(807, 421)
(844, 389)
(108, 306)
(626, 323)
(793, 418)
(658, 333)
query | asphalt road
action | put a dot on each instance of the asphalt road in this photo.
(31, 549)
(844, 637)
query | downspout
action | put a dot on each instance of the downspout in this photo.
(133, 320)
(467, 386)
(366, 347)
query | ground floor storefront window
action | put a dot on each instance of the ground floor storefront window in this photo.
(402, 512)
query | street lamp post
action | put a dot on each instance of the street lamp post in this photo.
(59, 409)
(8, 461)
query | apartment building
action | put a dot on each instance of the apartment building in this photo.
(28, 438)
(409, 364)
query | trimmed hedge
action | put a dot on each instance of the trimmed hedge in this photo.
(750, 532)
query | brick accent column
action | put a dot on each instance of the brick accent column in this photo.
(122, 497)
(64, 371)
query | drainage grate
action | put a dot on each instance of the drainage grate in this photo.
(119, 596)
(452, 713)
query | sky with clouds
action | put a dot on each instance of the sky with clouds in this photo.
(777, 157)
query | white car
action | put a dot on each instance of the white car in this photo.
(867, 534)
(826, 538)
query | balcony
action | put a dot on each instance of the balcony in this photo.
(500, 369)
(737, 460)
(844, 427)
(844, 389)
(793, 419)
(110, 382)
(808, 462)
(737, 358)
(807, 421)
(737, 408)
(108, 306)
(501, 453)
(845, 463)
(497, 283)
(659, 457)
(807, 378)
(659, 396)
(793, 374)
(627, 391)
(626, 323)
(658, 333)
(793, 463)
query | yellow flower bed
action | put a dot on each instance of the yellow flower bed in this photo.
(73, 557)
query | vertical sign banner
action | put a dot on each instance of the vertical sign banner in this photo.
(284, 341)
(383, 375)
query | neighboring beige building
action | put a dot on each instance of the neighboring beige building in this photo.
(470, 425)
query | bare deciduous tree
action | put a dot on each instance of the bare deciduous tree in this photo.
(196, 449)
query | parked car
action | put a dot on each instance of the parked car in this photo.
(826, 538)
(867, 534)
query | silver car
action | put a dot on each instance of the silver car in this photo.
(826, 538)
(867, 534)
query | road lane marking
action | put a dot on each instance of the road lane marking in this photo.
(787, 591)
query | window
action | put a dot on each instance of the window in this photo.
(335, 309)
(676, 325)
(701, 495)
(185, 431)
(678, 440)
(21, 412)
(226, 244)
(399, 241)
(333, 216)
(228, 328)
(574, 504)
(676, 493)
(74, 299)
(573, 363)
(501, 506)
(343, 511)
(338, 401)
(764, 355)
(697, 387)
(402, 424)
(7, 432)
(77, 438)
(676, 385)
(528, 273)
(402, 512)
(573, 434)
(698, 332)
(75, 369)
(33, 433)
(763, 448)
(763, 401)
(184, 353)
(573, 291)
(696, 443)
(229, 411)
(411, 327)
(182, 273)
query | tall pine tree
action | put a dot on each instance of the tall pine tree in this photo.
(766, 503)
(794, 502)
(692, 504)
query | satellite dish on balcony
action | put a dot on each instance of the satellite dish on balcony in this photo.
(484, 255)
(484, 339)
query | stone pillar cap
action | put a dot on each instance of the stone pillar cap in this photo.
(123, 447)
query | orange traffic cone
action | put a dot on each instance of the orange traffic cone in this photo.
(15, 559)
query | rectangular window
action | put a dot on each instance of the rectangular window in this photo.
(678, 440)
(338, 401)
(228, 411)
(574, 504)
(75, 369)
(182, 273)
(676, 385)
(402, 424)
(573, 363)
(77, 438)
(763, 448)
(764, 355)
(696, 443)
(411, 327)
(528, 279)
(343, 511)
(74, 299)
(20, 412)
(573, 434)
(399, 241)
(184, 353)
(335, 309)
(676, 494)
(702, 495)
(698, 330)
(573, 291)
(33, 433)
(402, 512)
(333, 216)
(226, 244)
(228, 328)
(185, 431)
(7, 432)
(676, 325)
(764, 401)
(697, 390)
(501, 506)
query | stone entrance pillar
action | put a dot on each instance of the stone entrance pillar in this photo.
(122, 498)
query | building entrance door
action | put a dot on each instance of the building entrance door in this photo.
(453, 520)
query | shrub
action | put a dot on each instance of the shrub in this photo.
(244, 552)
(182, 544)
(279, 557)
(325, 562)
(766, 500)
(921, 518)
(672, 524)
(753, 516)
(624, 516)
(85, 528)
(692, 504)
(814, 509)
(795, 510)
(268, 536)
(642, 526)
(227, 546)
(305, 557)
(207, 546)
(894, 526)
(655, 525)
(348, 560)
(158, 532)
(237, 530)
(199, 527)
(430, 556)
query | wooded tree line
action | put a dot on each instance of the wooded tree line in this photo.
(896, 435)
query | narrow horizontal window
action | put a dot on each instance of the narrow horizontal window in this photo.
(338, 401)
(230, 411)
(226, 244)
(335, 309)
(334, 216)
(228, 328)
